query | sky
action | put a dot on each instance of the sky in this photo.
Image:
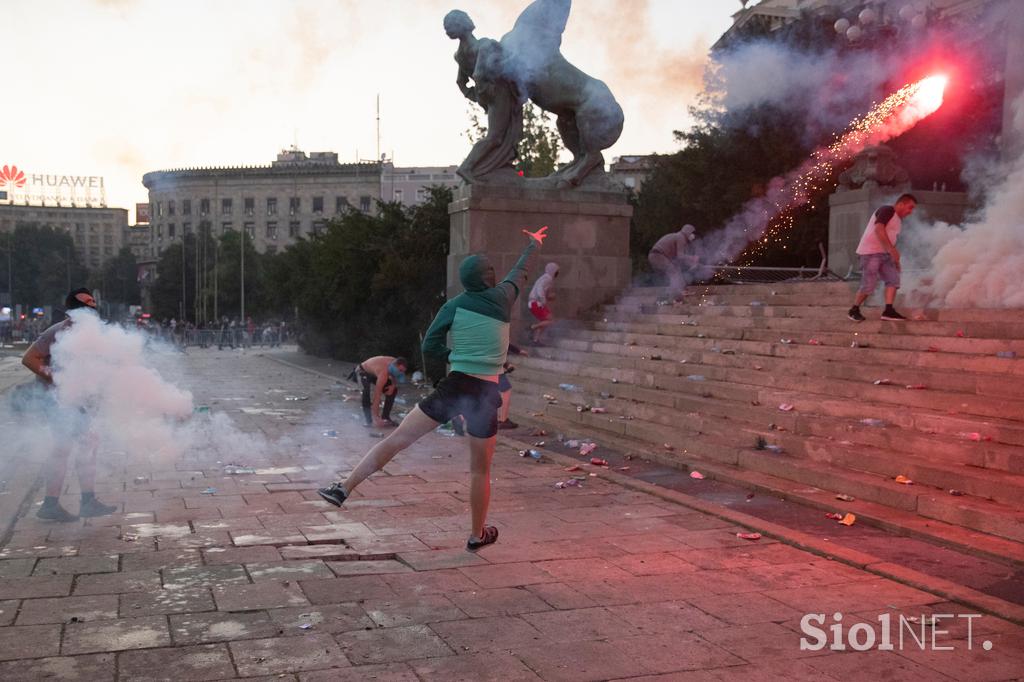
(120, 87)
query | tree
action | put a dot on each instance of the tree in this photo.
(117, 280)
(44, 265)
(540, 147)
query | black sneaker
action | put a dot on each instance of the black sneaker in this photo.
(94, 507)
(55, 513)
(490, 535)
(891, 315)
(334, 494)
(508, 424)
(855, 315)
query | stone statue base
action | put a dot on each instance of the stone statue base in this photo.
(588, 237)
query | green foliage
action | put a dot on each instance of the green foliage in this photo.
(541, 144)
(44, 265)
(117, 280)
(370, 284)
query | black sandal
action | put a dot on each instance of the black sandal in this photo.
(490, 535)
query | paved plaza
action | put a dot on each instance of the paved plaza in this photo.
(225, 564)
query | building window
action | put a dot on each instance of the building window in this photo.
(294, 205)
(421, 195)
(319, 227)
(294, 228)
(250, 206)
(250, 230)
(225, 206)
(226, 227)
(170, 207)
(271, 205)
(204, 207)
(108, 239)
(186, 228)
(171, 231)
(341, 204)
(398, 195)
(160, 231)
(186, 207)
(318, 205)
(272, 231)
(364, 203)
(159, 208)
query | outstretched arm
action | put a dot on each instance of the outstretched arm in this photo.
(516, 277)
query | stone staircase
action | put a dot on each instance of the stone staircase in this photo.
(703, 385)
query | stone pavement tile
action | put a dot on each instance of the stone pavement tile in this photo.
(515, 550)
(387, 524)
(38, 550)
(333, 532)
(337, 551)
(217, 626)
(485, 634)
(153, 530)
(389, 645)
(647, 543)
(368, 567)
(115, 635)
(430, 582)
(643, 589)
(676, 651)
(193, 663)
(697, 521)
(508, 575)
(765, 671)
(658, 563)
(580, 625)
(347, 589)
(561, 596)
(448, 539)
(269, 538)
(493, 666)
(1004, 661)
(28, 588)
(63, 609)
(117, 583)
(128, 544)
(266, 595)
(237, 525)
(154, 561)
(725, 581)
(333, 618)
(579, 661)
(80, 531)
(745, 609)
(17, 568)
(886, 665)
(180, 513)
(784, 576)
(205, 576)
(502, 601)
(567, 570)
(852, 597)
(175, 600)
(456, 557)
(731, 557)
(8, 609)
(72, 565)
(91, 668)
(718, 537)
(287, 654)
(669, 616)
(963, 619)
(218, 500)
(30, 641)
(387, 543)
(391, 672)
(288, 570)
(400, 611)
(291, 522)
(759, 641)
(239, 555)
(210, 538)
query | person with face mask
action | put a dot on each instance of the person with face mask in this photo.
(69, 426)
(478, 320)
(670, 257)
(379, 377)
(540, 295)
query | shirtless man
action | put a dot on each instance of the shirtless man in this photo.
(379, 377)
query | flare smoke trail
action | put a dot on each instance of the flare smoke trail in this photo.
(767, 218)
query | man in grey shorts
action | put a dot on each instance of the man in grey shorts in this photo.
(879, 258)
(69, 426)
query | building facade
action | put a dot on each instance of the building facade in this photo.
(632, 171)
(98, 233)
(409, 186)
(293, 197)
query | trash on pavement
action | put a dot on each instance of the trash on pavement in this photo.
(537, 432)
(756, 304)
(1008, 354)
(532, 454)
(903, 480)
(141, 479)
(849, 520)
(622, 468)
(845, 498)
(786, 407)
(835, 516)
(916, 387)
(201, 409)
(587, 448)
(695, 377)
(728, 351)
(956, 493)
(209, 491)
(293, 398)
(669, 447)
(417, 377)
(572, 443)
(882, 382)
(932, 349)
(786, 341)
(697, 475)
(233, 469)
(331, 434)
(872, 422)
(814, 342)
(975, 436)
(748, 536)
(574, 467)
(960, 333)
(540, 444)
(571, 483)
(598, 462)
(569, 387)
(598, 410)
(549, 397)
(777, 449)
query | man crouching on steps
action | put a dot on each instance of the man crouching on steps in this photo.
(478, 320)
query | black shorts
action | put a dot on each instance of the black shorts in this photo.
(475, 399)
(504, 384)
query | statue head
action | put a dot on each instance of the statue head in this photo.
(457, 24)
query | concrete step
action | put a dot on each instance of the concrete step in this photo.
(883, 451)
(978, 514)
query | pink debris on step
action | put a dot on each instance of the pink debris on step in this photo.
(748, 536)
(697, 475)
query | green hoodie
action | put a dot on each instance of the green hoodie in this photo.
(478, 318)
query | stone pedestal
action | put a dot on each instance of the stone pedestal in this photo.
(588, 236)
(849, 211)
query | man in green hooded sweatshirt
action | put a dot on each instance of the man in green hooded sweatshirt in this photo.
(478, 320)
